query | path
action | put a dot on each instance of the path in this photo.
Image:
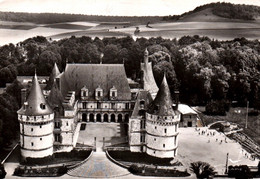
(98, 166)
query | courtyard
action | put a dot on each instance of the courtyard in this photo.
(100, 134)
(213, 149)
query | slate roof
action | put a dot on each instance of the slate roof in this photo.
(34, 101)
(55, 72)
(76, 76)
(162, 104)
(148, 78)
(55, 97)
(142, 95)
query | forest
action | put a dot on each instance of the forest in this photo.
(207, 72)
(50, 18)
(226, 10)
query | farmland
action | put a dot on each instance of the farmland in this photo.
(14, 32)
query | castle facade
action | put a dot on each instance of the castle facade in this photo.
(89, 93)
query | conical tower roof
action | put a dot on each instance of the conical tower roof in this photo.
(162, 104)
(55, 97)
(149, 83)
(55, 72)
(35, 104)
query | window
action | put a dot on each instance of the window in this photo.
(113, 105)
(84, 105)
(155, 127)
(40, 138)
(142, 138)
(98, 105)
(42, 106)
(165, 130)
(163, 145)
(40, 126)
(127, 105)
(32, 143)
(98, 93)
(57, 138)
(31, 129)
(67, 124)
(113, 93)
(57, 124)
(154, 139)
(142, 124)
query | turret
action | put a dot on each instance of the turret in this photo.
(147, 79)
(162, 125)
(55, 72)
(162, 104)
(36, 124)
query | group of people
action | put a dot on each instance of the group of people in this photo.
(210, 133)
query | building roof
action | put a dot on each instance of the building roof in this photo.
(105, 76)
(141, 96)
(148, 78)
(55, 97)
(35, 104)
(185, 109)
(162, 104)
(55, 72)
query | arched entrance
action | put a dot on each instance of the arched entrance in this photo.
(84, 117)
(113, 118)
(98, 117)
(120, 118)
(126, 117)
(91, 117)
(105, 117)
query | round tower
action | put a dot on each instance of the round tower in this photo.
(36, 120)
(162, 124)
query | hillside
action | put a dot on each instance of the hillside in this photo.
(219, 12)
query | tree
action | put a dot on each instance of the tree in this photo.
(202, 169)
(110, 54)
(46, 62)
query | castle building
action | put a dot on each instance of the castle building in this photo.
(36, 120)
(98, 93)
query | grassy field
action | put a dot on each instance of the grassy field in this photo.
(238, 116)
(13, 32)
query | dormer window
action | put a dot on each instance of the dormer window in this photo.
(42, 106)
(84, 93)
(113, 93)
(99, 93)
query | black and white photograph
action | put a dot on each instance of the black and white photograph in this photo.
(129, 89)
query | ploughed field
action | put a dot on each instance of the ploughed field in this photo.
(14, 32)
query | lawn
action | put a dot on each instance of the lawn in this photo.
(127, 157)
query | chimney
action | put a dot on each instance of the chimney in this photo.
(176, 99)
(23, 95)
